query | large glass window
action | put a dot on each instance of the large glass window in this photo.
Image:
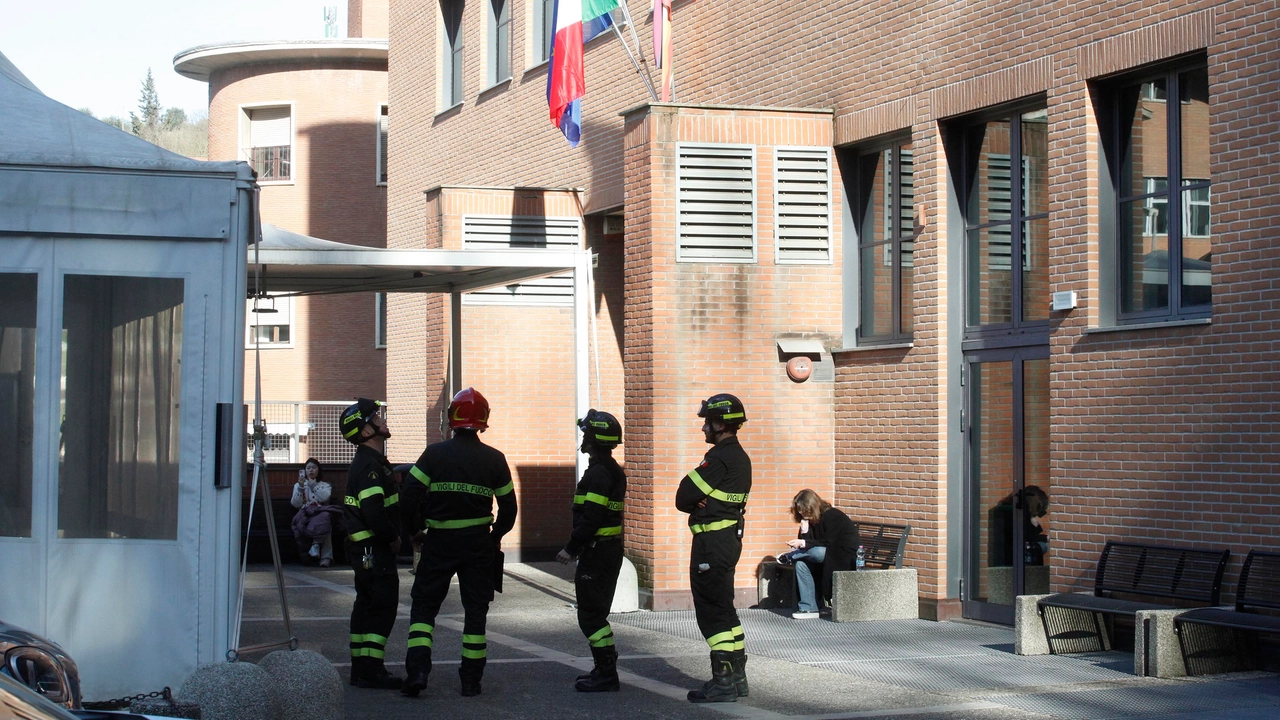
(544, 29)
(499, 26)
(121, 386)
(451, 53)
(1006, 214)
(884, 206)
(1158, 152)
(17, 400)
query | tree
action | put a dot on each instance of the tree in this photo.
(87, 111)
(148, 125)
(173, 118)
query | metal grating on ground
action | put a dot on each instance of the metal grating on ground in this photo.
(1171, 698)
(917, 654)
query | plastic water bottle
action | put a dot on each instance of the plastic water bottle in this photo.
(861, 562)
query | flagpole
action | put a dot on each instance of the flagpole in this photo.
(643, 76)
(631, 25)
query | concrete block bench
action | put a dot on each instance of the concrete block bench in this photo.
(875, 595)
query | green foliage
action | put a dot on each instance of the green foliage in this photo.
(169, 128)
(87, 111)
(173, 119)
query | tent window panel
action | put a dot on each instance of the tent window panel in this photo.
(515, 232)
(17, 400)
(121, 386)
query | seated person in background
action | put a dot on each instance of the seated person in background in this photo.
(1035, 539)
(828, 540)
(313, 524)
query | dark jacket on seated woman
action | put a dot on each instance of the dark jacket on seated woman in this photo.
(836, 532)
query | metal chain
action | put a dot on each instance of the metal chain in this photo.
(125, 702)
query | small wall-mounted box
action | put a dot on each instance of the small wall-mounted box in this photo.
(1065, 300)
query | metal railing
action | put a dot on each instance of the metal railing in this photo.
(299, 430)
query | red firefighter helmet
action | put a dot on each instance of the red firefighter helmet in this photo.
(469, 409)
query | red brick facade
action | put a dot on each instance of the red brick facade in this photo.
(333, 194)
(1160, 434)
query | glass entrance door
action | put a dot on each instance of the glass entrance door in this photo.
(1007, 520)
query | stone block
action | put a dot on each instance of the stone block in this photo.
(626, 596)
(1000, 582)
(1028, 630)
(230, 691)
(875, 595)
(305, 685)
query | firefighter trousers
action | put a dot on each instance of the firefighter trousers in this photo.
(711, 569)
(594, 582)
(374, 612)
(446, 553)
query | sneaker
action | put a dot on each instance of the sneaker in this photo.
(325, 562)
(315, 550)
(805, 615)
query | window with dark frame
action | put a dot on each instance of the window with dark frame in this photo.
(545, 24)
(451, 53)
(1158, 157)
(883, 185)
(499, 50)
(383, 126)
(1006, 215)
(380, 320)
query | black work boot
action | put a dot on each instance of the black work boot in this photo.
(470, 681)
(357, 669)
(375, 676)
(416, 681)
(720, 688)
(740, 672)
(604, 676)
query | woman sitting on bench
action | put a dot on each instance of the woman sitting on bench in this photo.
(828, 540)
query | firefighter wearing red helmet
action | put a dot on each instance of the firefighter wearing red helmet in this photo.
(449, 495)
(714, 494)
(371, 516)
(596, 541)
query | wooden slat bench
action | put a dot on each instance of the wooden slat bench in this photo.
(1258, 587)
(1173, 573)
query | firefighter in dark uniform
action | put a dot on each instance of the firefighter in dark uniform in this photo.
(596, 541)
(715, 496)
(371, 515)
(450, 492)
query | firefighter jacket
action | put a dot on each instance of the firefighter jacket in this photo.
(723, 479)
(371, 510)
(454, 484)
(597, 504)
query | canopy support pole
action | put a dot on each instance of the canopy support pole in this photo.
(455, 343)
(583, 304)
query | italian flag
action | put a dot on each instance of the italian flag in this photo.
(576, 23)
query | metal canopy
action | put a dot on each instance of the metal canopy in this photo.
(302, 265)
(297, 264)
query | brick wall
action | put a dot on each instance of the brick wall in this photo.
(332, 195)
(1161, 434)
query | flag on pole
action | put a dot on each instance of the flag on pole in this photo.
(576, 23)
(662, 46)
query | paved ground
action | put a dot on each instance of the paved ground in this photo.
(801, 670)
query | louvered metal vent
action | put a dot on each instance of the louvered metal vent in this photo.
(716, 203)
(501, 232)
(802, 205)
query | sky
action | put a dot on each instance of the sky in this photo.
(95, 53)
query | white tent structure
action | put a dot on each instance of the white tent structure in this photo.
(122, 271)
